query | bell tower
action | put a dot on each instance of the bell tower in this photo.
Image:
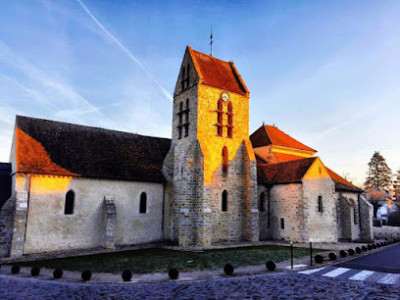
(210, 168)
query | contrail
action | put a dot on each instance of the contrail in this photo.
(36, 96)
(125, 50)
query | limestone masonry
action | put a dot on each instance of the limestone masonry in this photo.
(76, 187)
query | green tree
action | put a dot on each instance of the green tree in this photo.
(396, 185)
(379, 178)
(379, 174)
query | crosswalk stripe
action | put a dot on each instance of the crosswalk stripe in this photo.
(336, 272)
(389, 279)
(362, 275)
(312, 271)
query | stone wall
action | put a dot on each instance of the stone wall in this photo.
(264, 216)
(286, 204)
(319, 226)
(386, 232)
(84, 228)
(366, 214)
(7, 226)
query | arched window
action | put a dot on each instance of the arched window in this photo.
(143, 203)
(262, 202)
(225, 159)
(220, 114)
(224, 202)
(320, 207)
(230, 120)
(69, 203)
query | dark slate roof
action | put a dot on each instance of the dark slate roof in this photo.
(271, 135)
(286, 172)
(218, 73)
(342, 184)
(58, 148)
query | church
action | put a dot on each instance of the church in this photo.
(80, 187)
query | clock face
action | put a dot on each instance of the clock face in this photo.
(225, 97)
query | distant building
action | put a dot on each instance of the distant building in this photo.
(81, 187)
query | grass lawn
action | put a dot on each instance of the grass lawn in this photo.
(160, 260)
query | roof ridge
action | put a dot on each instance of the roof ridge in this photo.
(225, 61)
(292, 161)
(18, 117)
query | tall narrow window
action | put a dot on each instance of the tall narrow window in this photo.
(269, 210)
(224, 202)
(183, 78)
(230, 120)
(186, 125)
(320, 207)
(180, 120)
(282, 223)
(220, 114)
(225, 159)
(69, 203)
(187, 76)
(262, 202)
(143, 203)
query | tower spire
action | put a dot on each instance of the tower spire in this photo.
(211, 42)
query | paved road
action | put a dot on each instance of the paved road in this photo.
(265, 286)
(386, 260)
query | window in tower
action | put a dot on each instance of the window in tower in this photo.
(224, 201)
(183, 78)
(230, 120)
(187, 76)
(186, 124)
(220, 114)
(180, 122)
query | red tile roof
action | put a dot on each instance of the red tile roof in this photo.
(218, 73)
(286, 172)
(342, 184)
(271, 135)
(57, 148)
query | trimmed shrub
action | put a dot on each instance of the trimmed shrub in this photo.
(229, 269)
(126, 275)
(173, 273)
(358, 250)
(58, 273)
(363, 248)
(35, 271)
(332, 256)
(351, 251)
(270, 265)
(86, 275)
(15, 269)
(343, 253)
(318, 259)
(373, 246)
(369, 247)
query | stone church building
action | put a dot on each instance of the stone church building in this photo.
(76, 187)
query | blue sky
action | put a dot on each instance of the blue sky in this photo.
(325, 72)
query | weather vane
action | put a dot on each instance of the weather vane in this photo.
(211, 42)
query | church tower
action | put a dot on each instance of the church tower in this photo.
(210, 168)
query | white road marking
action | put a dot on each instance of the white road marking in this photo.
(389, 279)
(361, 275)
(296, 266)
(336, 272)
(308, 272)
